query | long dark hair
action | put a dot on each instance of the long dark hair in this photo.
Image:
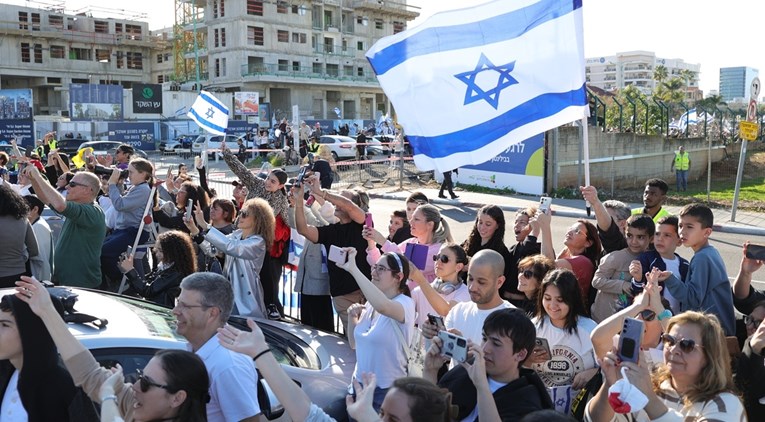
(177, 249)
(497, 241)
(592, 252)
(568, 286)
(395, 269)
(196, 194)
(186, 371)
(12, 204)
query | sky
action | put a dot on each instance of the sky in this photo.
(713, 34)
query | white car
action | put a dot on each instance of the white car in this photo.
(343, 147)
(213, 143)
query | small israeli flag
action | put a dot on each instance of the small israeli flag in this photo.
(209, 113)
(337, 111)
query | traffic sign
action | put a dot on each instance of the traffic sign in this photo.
(748, 130)
(751, 111)
(754, 92)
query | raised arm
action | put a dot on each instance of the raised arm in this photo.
(374, 296)
(47, 193)
(743, 282)
(546, 234)
(602, 216)
(311, 233)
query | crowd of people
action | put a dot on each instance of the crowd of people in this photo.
(443, 329)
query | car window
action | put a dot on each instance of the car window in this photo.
(326, 140)
(132, 359)
(286, 348)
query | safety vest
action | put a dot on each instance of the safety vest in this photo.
(682, 162)
(662, 213)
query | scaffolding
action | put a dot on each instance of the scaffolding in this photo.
(189, 39)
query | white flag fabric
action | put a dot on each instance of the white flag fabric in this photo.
(209, 113)
(468, 83)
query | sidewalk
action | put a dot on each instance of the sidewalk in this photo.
(747, 222)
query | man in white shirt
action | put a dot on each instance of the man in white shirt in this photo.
(485, 277)
(203, 306)
(42, 264)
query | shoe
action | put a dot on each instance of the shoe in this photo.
(273, 312)
(442, 196)
(455, 196)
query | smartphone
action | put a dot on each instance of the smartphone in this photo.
(437, 321)
(337, 255)
(541, 343)
(544, 204)
(630, 340)
(129, 250)
(754, 251)
(368, 222)
(189, 208)
(453, 346)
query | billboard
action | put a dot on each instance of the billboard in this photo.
(95, 102)
(246, 103)
(16, 116)
(137, 135)
(519, 167)
(147, 98)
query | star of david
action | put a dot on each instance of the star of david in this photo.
(210, 113)
(476, 93)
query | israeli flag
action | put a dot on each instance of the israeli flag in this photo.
(468, 83)
(337, 111)
(209, 113)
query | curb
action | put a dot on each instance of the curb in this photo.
(724, 228)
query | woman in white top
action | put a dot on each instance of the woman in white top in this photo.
(446, 290)
(560, 320)
(693, 384)
(376, 329)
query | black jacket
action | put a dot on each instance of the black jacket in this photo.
(750, 371)
(514, 401)
(161, 287)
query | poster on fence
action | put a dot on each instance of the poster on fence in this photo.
(519, 167)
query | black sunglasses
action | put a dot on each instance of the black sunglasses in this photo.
(527, 273)
(647, 315)
(74, 184)
(145, 383)
(686, 345)
(442, 257)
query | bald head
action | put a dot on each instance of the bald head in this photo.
(491, 259)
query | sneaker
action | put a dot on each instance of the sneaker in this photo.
(273, 312)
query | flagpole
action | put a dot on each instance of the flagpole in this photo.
(586, 158)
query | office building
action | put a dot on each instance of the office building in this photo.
(735, 83)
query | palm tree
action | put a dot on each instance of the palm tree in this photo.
(687, 75)
(660, 73)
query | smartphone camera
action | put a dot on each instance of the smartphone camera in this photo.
(453, 346)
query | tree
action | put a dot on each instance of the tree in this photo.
(660, 73)
(687, 75)
(671, 91)
(638, 113)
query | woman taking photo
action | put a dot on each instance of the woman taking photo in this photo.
(375, 330)
(171, 217)
(172, 387)
(693, 384)
(245, 249)
(446, 290)
(16, 237)
(560, 320)
(531, 271)
(428, 228)
(177, 258)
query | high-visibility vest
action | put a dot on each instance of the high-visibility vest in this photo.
(662, 213)
(682, 162)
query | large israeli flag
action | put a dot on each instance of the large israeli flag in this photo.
(468, 83)
(209, 113)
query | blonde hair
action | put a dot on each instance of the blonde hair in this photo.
(263, 218)
(441, 231)
(716, 376)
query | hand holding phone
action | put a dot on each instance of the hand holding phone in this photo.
(542, 347)
(630, 340)
(337, 255)
(368, 222)
(189, 208)
(437, 321)
(544, 204)
(453, 346)
(754, 251)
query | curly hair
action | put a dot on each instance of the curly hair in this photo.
(497, 242)
(177, 249)
(263, 218)
(716, 376)
(12, 204)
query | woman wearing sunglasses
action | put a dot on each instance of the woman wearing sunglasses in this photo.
(245, 250)
(531, 271)
(173, 386)
(694, 382)
(446, 290)
(376, 330)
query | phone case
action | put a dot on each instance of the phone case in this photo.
(189, 208)
(417, 254)
(337, 255)
(438, 321)
(453, 346)
(754, 251)
(544, 204)
(630, 340)
(542, 343)
(368, 220)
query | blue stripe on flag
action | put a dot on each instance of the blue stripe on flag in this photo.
(475, 34)
(215, 103)
(202, 121)
(478, 136)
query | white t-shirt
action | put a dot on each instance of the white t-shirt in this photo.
(572, 353)
(423, 307)
(493, 386)
(378, 349)
(12, 409)
(467, 318)
(673, 266)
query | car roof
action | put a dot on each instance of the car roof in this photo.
(341, 138)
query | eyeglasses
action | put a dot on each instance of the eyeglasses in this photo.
(244, 213)
(444, 258)
(379, 268)
(647, 315)
(686, 345)
(145, 383)
(748, 320)
(74, 184)
(182, 306)
(527, 273)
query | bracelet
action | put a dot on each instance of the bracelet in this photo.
(111, 397)
(261, 354)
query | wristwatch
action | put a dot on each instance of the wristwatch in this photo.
(665, 314)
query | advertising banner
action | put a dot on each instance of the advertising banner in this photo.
(137, 135)
(147, 98)
(520, 167)
(95, 102)
(16, 116)
(264, 115)
(246, 103)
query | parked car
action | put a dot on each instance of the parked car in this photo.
(70, 145)
(379, 145)
(108, 147)
(213, 143)
(343, 147)
(180, 142)
(321, 363)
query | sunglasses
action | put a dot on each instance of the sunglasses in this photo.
(748, 320)
(74, 184)
(686, 345)
(145, 383)
(527, 273)
(443, 258)
(647, 315)
(244, 214)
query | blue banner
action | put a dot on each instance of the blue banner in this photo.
(21, 130)
(137, 135)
